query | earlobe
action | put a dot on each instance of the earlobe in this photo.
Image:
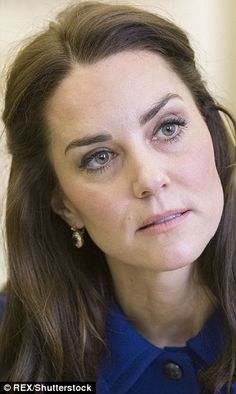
(62, 206)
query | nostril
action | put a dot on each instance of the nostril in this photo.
(149, 192)
(146, 193)
(149, 183)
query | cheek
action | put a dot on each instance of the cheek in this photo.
(199, 169)
(202, 181)
(103, 216)
(98, 209)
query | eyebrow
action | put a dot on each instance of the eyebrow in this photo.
(146, 117)
(157, 107)
(88, 141)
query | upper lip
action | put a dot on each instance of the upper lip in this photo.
(155, 218)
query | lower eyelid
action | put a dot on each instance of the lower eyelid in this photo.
(176, 137)
(96, 170)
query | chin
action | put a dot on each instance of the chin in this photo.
(180, 257)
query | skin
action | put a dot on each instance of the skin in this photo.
(149, 169)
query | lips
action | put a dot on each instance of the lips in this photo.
(163, 218)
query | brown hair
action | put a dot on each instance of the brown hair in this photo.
(58, 296)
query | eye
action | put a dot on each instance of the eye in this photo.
(170, 130)
(97, 160)
(100, 158)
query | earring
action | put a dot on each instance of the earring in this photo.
(78, 237)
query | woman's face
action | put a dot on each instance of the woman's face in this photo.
(135, 162)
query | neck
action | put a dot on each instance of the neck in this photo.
(167, 308)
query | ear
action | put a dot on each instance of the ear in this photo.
(63, 207)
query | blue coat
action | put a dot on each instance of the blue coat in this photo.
(135, 366)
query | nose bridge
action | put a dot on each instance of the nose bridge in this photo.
(142, 161)
(148, 173)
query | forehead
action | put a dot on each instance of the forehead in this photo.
(119, 87)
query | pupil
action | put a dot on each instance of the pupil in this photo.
(102, 158)
(169, 129)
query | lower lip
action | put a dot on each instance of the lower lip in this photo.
(165, 226)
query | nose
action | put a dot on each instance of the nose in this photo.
(150, 176)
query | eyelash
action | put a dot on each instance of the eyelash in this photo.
(86, 160)
(177, 121)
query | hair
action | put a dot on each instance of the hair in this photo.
(58, 296)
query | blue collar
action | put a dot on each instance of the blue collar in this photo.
(132, 353)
